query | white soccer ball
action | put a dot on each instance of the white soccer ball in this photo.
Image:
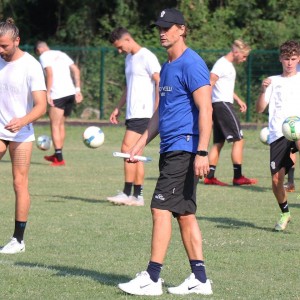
(291, 128)
(93, 137)
(44, 142)
(264, 135)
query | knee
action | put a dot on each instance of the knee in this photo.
(20, 182)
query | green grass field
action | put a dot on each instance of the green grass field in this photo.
(79, 246)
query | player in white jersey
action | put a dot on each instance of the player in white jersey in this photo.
(226, 122)
(281, 94)
(22, 101)
(141, 97)
(61, 75)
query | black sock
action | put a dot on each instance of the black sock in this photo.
(19, 231)
(291, 175)
(137, 190)
(284, 207)
(237, 171)
(58, 154)
(198, 268)
(127, 188)
(212, 170)
(153, 270)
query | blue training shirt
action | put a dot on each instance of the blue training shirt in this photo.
(178, 114)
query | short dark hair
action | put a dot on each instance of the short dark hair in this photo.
(117, 34)
(289, 48)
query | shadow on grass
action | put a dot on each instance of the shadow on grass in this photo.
(60, 198)
(255, 188)
(230, 223)
(107, 279)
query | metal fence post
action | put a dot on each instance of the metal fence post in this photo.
(102, 62)
(249, 74)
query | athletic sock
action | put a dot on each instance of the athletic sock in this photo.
(137, 190)
(153, 270)
(212, 170)
(19, 230)
(198, 268)
(237, 171)
(291, 175)
(58, 154)
(284, 207)
(127, 188)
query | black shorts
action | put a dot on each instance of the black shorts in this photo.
(175, 189)
(226, 123)
(65, 103)
(280, 151)
(137, 125)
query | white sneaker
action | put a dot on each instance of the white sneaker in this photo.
(13, 247)
(121, 198)
(192, 285)
(136, 201)
(142, 285)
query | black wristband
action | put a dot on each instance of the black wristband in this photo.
(202, 153)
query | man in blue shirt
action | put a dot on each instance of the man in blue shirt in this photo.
(184, 121)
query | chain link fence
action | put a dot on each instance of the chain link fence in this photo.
(103, 79)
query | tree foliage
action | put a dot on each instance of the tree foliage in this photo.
(86, 25)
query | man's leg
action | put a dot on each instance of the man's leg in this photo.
(57, 125)
(237, 161)
(290, 184)
(3, 148)
(20, 154)
(133, 174)
(148, 282)
(192, 239)
(213, 157)
(281, 197)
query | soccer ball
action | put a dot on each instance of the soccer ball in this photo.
(93, 137)
(44, 142)
(264, 135)
(291, 128)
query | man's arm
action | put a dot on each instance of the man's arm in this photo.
(150, 133)
(202, 99)
(49, 83)
(213, 79)
(116, 112)
(156, 78)
(76, 78)
(261, 102)
(39, 109)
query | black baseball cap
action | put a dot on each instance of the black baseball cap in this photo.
(168, 17)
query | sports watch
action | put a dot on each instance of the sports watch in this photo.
(202, 153)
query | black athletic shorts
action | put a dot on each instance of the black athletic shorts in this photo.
(176, 186)
(65, 103)
(280, 151)
(226, 123)
(137, 125)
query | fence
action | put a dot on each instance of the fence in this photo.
(103, 79)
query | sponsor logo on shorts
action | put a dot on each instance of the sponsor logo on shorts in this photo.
(229, 137)
(159, 197)
(273, 165)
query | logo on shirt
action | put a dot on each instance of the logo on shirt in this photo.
(164, 89)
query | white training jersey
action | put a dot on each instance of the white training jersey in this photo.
(139, 69)
(224, 88)
(282, 95)
(60, 63)
(18, 79)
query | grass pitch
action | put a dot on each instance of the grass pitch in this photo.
(79, 246)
